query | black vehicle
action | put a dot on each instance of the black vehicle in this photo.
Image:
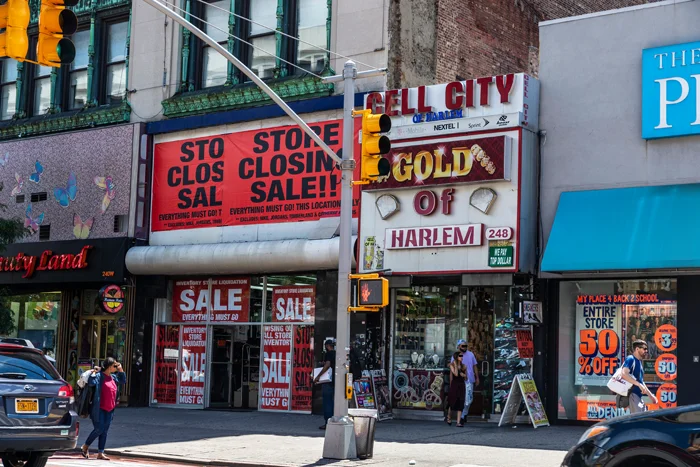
(37, 415)
(661, 438)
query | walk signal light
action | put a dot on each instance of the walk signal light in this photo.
(14, 18)
(373, 292)
(374, 146)
(55, 22)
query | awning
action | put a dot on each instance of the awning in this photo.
(653, 227)
(235, 258)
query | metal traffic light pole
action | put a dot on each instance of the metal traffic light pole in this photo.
(340, 436)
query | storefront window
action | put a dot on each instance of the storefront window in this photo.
(251, 364)
(428, 325)
(33, 318)
(598, 321)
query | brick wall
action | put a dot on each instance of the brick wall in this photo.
(473, 38)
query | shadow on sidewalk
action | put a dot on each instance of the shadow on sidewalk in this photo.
(153, 426)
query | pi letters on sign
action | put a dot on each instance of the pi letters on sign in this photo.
(671, 91)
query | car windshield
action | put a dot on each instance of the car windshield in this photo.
(26, 365)
(12, 340)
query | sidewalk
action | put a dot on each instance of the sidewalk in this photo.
(263, 438)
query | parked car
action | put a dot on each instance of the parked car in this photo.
(37, 415)
(25, 343)
(660, 438)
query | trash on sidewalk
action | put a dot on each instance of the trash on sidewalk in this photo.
(364, 421)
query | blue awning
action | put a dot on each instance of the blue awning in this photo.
(653, 227)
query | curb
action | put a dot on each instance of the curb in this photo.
(181, 460)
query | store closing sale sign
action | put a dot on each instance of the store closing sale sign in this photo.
(194, 359)
(270, 175)
(598, 341)
(229, 301)
(276, 369)
(165, 371)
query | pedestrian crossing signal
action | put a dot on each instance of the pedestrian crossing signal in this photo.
(373, 292)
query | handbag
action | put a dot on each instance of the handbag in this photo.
(618, 384)
(84, 402)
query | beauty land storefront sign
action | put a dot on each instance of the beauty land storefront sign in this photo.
(671, 91)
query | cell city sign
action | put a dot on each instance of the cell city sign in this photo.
(671, 91)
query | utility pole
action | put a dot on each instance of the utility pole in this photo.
(340, 435)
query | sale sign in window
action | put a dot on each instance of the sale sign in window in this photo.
(193, 365)
(276, 368)
(598, 339)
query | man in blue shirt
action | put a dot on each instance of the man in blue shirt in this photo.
(633, 372)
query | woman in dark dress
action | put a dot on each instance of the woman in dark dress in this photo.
(458, 388)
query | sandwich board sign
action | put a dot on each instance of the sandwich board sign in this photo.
(524, 388)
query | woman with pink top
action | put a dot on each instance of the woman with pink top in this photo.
(106, 381)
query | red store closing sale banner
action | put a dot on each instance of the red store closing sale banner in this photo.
(270, 175)
(276, 369)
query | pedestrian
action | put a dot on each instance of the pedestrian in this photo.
(327, 388)
(472, 380)
(458, 390)
(633, 372)
(106, 380)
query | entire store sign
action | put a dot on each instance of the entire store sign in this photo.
(229, 301)
(671, 91)
(270, 175)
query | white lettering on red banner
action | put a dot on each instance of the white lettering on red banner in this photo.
(294, 304)
(193, 368)
(229, 301)
(276, 368)
(434, 237)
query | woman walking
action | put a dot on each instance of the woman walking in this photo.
(458, 392)
(106, 381)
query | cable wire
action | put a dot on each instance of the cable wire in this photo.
(247, 43)
(284, 34)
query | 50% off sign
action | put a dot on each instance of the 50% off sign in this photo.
(598, 352)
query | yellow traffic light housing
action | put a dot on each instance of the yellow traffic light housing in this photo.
(55, 22)
(372, 292)
(374, 146)
(14, 19)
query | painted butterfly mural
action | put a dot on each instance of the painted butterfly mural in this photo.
(30, 221)
(20, 184)
(4, 159)
(36, 176)
(107, 184)
(81, 230)
(64, 196)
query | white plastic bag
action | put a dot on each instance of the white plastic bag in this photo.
(618, 384)
(83, 380)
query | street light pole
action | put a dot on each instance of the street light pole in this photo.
(340, 434)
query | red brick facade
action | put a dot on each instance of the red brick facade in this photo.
(474, 38)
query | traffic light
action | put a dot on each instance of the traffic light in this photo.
(55, 22)
(373, 292)
(14, 18)
(374, 145)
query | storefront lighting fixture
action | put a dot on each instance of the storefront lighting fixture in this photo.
(482, 199)
(387, 205)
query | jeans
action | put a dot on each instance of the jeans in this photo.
(101, 429)
(328, 393)
(468, 398)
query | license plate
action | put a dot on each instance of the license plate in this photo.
(27, 405)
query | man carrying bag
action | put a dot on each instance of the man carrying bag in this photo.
(628, 381)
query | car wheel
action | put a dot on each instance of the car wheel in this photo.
(35, 459)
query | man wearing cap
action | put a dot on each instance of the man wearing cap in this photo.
(328, 388)
(472, 380)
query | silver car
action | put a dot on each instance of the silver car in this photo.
(37, 414)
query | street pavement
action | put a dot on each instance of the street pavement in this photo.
(75, 460)
(274, 439)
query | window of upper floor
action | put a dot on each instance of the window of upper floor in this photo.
(96, 77)
(255, 23)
